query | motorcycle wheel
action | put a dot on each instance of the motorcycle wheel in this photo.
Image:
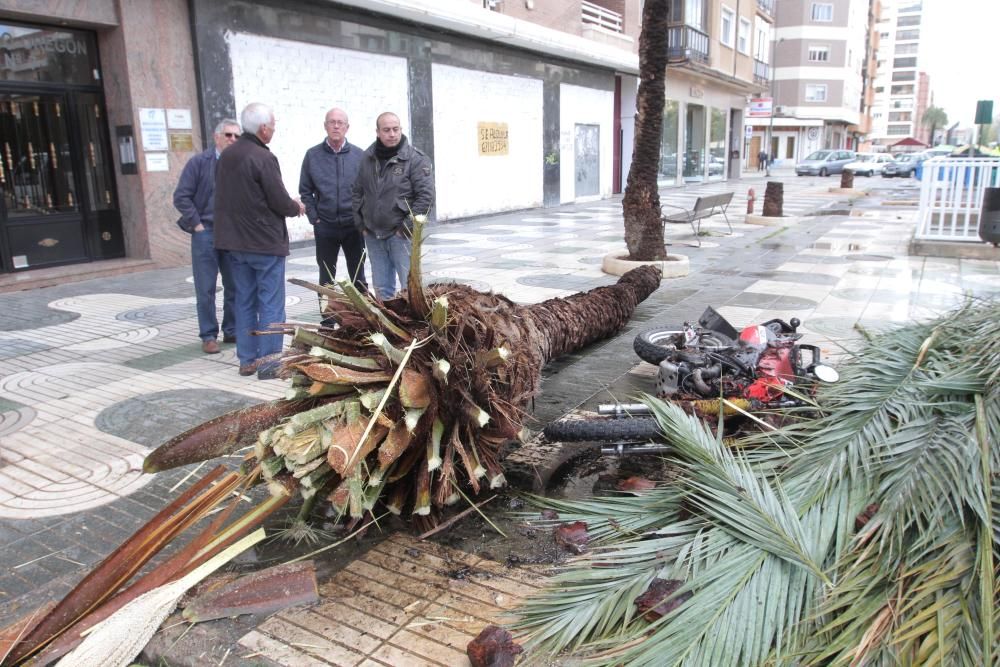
(603, 429)
(654, 345)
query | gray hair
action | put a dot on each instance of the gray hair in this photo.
(224, 123)
(254, 115)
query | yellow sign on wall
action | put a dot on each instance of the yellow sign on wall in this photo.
(493, 139)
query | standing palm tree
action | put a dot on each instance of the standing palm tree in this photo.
(641, 205)
(933, 118)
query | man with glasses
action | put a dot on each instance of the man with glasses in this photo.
(328, 174)
(251, 205)
(195, 199)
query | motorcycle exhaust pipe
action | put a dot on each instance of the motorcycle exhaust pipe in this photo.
(623, 409)
(630, 448)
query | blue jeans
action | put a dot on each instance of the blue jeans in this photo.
(260, 302)
(206, 265)
(390, 259)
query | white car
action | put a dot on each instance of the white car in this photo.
(869, 164)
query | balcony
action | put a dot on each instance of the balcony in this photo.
(686, 43)
(594, 15)
(766, 7)
(761, 72)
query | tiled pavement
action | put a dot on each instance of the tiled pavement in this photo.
(94, 374)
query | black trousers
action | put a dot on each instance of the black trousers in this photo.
(328, 250)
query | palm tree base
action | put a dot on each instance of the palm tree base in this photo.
(617, 263)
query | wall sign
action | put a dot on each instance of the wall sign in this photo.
(179, 119)
(760, 107)
(157, 162)
(153, 128)
(493, 139)
(181, 141)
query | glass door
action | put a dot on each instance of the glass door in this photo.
(42, 221)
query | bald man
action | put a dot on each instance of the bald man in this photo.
(329, 170)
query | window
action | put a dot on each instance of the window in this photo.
(901, 90)
(907, 49)
(822, 11)
(743, 38)
(819, 54)
(899, 129)
(880, 89)
(907, 34)
(904, 62)
(761, 46)
(904, 76)
(694, 13)
(815, 92)
(883, 35)
(896, 116)
(726, 31)
(905, 21)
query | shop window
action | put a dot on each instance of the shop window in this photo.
(717, 145)
(668, 142)
(694, 143)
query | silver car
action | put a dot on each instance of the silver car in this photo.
(821, 163)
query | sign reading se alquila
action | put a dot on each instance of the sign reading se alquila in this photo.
(493, 138)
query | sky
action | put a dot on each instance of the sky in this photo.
(960, 50)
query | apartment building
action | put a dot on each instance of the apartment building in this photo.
(820, 55)
(717, 58)
(715, 63)
(902, 91)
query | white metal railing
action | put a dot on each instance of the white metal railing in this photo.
(593, 14)
(951, 197)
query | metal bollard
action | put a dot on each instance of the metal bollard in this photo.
(751, 198)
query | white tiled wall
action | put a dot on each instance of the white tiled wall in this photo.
(585, 106)
(468, 183)
(301, 82)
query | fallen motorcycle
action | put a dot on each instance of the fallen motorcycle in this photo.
(754, 370)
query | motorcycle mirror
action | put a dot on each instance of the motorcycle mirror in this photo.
(825, 373)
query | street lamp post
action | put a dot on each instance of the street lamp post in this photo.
(770, 118)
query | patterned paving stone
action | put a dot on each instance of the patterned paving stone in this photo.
(161, 314)
(155, 418)
(160, 360)
(17, 347)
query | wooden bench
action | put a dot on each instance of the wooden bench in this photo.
(704, 207)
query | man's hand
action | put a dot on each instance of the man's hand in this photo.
(199, 227)
(302, 207)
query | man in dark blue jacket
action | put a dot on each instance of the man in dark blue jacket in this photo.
(328, 174)
(194, 198)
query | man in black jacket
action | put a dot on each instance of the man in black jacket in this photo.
(328, 174)
(394, 180)
(251, 205)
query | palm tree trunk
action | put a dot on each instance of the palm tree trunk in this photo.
(641, 205)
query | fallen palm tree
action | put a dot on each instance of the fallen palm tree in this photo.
(867, 535)
(412, 400)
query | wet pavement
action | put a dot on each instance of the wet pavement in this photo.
(95, 374)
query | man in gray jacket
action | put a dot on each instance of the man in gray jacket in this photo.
(325, 184)
(394, 180)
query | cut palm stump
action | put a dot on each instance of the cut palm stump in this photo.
(410, 401)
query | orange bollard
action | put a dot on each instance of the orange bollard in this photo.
(751, 198)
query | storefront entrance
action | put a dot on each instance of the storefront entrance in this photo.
(59, 204)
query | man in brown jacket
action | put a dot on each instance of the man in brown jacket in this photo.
(251, 205)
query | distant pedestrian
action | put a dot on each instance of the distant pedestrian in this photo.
(195, 199)
(762, 161)
(325, 186)
(251, 205)
(394, 180)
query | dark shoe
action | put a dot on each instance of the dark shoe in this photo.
(248, 369)
(268, 371)
(268, 367)
(229, 339)
(210, 347)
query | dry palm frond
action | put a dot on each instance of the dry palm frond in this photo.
(866, 534)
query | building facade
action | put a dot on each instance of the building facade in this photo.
(901, 90)
(818, 88)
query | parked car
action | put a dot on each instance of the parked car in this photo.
(904, 166)
(821, 163)
(869, 164)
